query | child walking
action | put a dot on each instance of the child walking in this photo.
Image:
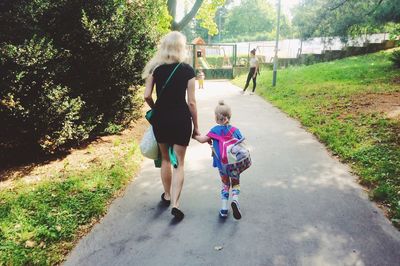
(222, 118)
(200, 78)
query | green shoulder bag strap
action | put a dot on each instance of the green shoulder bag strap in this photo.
(170, 76)
(150, 112)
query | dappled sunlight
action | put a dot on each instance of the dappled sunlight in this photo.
(203, 187)
(318, 176)
(325, 176)
(276, 184)
(215, 90)
(331, 248)
(305, 141)
(301, 137)
(149, 184)
(300, 205)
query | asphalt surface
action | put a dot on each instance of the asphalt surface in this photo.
(300, 205)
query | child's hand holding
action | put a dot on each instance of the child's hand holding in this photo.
(202, 139)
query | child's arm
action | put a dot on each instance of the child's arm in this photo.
(202, 138)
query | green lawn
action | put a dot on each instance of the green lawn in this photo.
(40, 223)
(331, 100)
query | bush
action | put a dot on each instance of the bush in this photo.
(395, 58)
(71, 68)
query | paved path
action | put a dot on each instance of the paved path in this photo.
(300, 206)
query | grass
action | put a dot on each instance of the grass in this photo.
(327, 99)
(40, 223)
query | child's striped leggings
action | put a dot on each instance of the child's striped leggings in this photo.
(227, 183)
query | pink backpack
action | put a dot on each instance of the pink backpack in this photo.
(235, 157)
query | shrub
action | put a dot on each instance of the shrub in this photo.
(69, 69)
(395, 58)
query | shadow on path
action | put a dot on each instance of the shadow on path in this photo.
(300, 205)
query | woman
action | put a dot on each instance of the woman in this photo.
(172, 116)
(252, 72)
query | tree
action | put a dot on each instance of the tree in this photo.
(71, 69)
(187, 18)
(203, 10)
(251, 17)
(194, 30)
(344, 17)
(207, 13)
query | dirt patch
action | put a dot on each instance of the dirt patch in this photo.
(102, 149)
(387, 103)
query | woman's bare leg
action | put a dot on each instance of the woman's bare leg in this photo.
(165, 170)
(178, 175)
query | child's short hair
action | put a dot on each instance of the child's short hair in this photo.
(222, 112)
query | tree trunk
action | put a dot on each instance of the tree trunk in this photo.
(178, 26)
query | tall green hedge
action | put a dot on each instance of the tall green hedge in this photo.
(70, 69)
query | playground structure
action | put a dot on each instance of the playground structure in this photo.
(216, 60)
(261, 51)
(296, 51)
(216, 54)
(224, 61)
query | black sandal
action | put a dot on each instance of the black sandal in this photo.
(177, 213)
(167, 202)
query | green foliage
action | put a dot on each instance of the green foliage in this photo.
(202, 10)
(39, 223)
(194, 30)
(113, 129)
(324, 98)
(249, 18)
(206, 15)
(235, 24)
(343, 18)
(259, 36)
(71, 68)
(393, 29)
(395, 58)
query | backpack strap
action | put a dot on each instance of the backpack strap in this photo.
(214, 136)
(230, 132)
(221, 140)
(218, 137)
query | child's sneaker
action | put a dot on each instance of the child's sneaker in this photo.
(236, 210)
(223, 213)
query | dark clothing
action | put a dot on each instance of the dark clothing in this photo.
(172, 120)
(250, 76)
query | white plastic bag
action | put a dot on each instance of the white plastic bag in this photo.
(148, 145)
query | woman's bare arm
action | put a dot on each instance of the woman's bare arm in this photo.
(192, 105)
(256, 70)
(149, 91)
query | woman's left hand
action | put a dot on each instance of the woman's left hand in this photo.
(196, 132)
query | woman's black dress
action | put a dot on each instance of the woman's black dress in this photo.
(172, 120)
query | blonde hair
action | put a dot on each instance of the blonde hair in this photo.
(172, 49)
(222, 113)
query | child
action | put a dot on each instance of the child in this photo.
(200, 78)
(222, 117)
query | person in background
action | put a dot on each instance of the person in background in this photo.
(200, 78)
(253, 71)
